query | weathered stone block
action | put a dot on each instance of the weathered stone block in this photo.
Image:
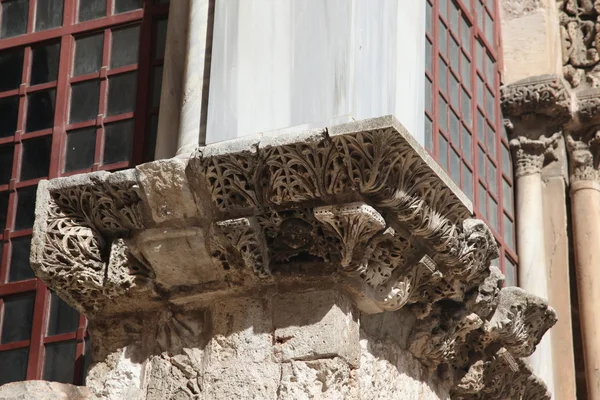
(316, 324)
(242, 381)
(42, 390)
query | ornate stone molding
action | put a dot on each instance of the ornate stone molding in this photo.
(584, 155)
(360, 207)
(530, 156)
(544, 95)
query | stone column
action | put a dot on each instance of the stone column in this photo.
(528, 156)
(585, 213)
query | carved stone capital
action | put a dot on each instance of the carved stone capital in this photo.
(544, 95)
(584, 155)
(530, 156)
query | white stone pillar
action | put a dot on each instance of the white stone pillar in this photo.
(528, 156)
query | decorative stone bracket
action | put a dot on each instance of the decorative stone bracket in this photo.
(361, 206)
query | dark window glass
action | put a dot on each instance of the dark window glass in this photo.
(9, 110)
(88, 54)
(59, 362)
(19, 260)
(87, 357)
(36, 158)
(40, 110)
(11, 68)
(44, 67)
(151, 139)
(122, 93)
(18, 316)
(161, 38)
(125, 44)
(84, 101)
(117, 141)
(14, 18)
(127, 5)
(3, 209)
(91, 9)
(157, 74)
(81, 145)
(48, 14)
(6, 162)
(25, 207)
(63, 318)
(13, 365)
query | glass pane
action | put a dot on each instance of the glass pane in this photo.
(465, 35)
(19, 262)
(14, 18)
(482, 201)
(3, 209)
(81, 145)
(489, 69)
(454, 129)
(443, 151)
(479, 11)
(88, 54)
(428, 18)
(443, 7)
(59, 362)
(118, 141)
(18, 316)
(127, 5)
(157, 74)
(6, 161)
(428, 95)
(44, 67)
(442, 113)
(506, 163)
(467, 182)
(91, 9)
(9, 110)
(36, 158)
(151, 139)
(490, 106)
(442, 75)
(13, 365)
(491, 141)
(454, 92)
(40, 110)
(124, 49)
(466, 145)
(492, 181)
(48, 14)
(454, 54)
(493, 213)
(481, 163)
(428, 134)
(161, 38)
(442, 37)
(428, 57)
(11, 65)
(465, 71)
(25, 207)
(63, 318)
(509, 273)
(508, 233)
(466, 108)
(454, 17)
(489, 29)
(84, 101)
(122, 93)
(481, 128)
(507, 196)
(455, 167)
(479, 55)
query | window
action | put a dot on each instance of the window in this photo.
(462, 128)
(78, 87)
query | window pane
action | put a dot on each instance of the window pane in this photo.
(9, 110)
(465, 35)
(14, 18)
(36, 158)
(59, 362)
(19, 262)
(454, 129)
(482, 201)
(455, 167)
(44, 67)
(443, 75)
(507, 196)
(63, 318)
(465, 71)
(25, 207)
(467, 144)
(91, 9)
(127, 5)
(454, 18)
(124, 49)
(48, 14)
(479, 55)
(157, 74)
(481, 128)
(18, 315)
(493, 213)
(81, 145)
(490, 106)
(3, 209)
(508, 233)
(117, 141)
(122, 93)
(84, 101)
(491, 141)
(428, 56)
(467, 182)
(481, 163)
(428, 134)
(443, 151)
(442, 37)
(88, 54)
(40, 110)
(492, 181)
(150, 144)
(489, 70)
(454, 92)
(480, 93)
(506, 163)
(428, 18)
(428, 95)
(11, 65)
(6, 161)
(466, 108)
(161, 38)
(509, 273)
(443, 113)
(454, 54)
(13, 365)
(489, 29)
(443, 7)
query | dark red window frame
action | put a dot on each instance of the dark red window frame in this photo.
(147, 18)
(464, 58)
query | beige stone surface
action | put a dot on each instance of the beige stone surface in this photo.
(42, 390)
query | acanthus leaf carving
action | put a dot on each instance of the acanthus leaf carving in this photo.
(530, 155)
